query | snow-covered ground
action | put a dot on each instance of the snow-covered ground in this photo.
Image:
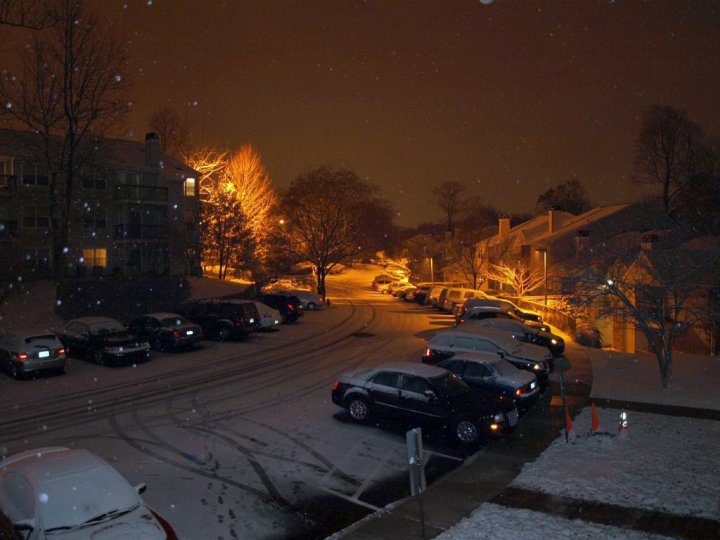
(661, 463)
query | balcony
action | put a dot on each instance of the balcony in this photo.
(141, 232)
(134, 193)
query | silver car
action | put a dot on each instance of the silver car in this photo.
(23, 352)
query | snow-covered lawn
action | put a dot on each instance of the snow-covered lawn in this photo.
(662, 463)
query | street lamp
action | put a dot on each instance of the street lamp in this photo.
(543, 250)
(432, 274)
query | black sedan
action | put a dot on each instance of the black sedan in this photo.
(424, 393)
(166, 331)
(289, 306)
(526, 333)
(104, 341)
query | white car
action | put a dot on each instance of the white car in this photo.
(269, 317)
(72, 494)
(24, 352)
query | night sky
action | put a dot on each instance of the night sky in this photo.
(509, 97)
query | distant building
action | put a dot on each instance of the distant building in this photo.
(134, 210)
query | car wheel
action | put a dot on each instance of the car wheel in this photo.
(223, 334)
(97, 357)
(384, 291)
(359, 409)
(466, 431)
(311, 306)
(15, 371)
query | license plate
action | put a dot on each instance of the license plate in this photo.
(190, 332)
(532, 385)
(44, 354)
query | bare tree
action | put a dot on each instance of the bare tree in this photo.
(173, 129)
(519, 277)
(448, 197)
(324, 217)
(568, 196)
(663, 293)
(669, 150)
(30, 14)
(69, 93)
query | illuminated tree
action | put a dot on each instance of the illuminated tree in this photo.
(225, 236)
(519, 277)
(325, 218)
(251, 183)
(70, 92)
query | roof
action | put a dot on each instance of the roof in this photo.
(470, 329)
(576, 223)
(413, 368)
(113, 153)
(163, 315)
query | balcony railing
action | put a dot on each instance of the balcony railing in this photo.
(140, 232)
(130, 192)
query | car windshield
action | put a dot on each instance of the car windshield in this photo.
(70, 501)
(173, 321)
(41, 339)
(449, 385)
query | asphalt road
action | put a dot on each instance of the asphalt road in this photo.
(241, 440)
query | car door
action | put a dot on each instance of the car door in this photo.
(384, 390)
(478, 375)
(417, 397)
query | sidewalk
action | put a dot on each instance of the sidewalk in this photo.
(533, 485)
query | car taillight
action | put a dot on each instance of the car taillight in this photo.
(21, 356)
(336, 385)
(519, 392)
(290, 307)
(60, 351)
(428, 352)
(176, 334)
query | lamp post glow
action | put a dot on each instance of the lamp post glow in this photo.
(432, 273)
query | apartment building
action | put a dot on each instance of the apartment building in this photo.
(134, 210)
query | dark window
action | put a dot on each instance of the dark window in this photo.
(474, 369)
(456, 366)
(414, 384)
(386, 379)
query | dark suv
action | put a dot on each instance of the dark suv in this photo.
(289, 306)
(424, 393)
(223, 320)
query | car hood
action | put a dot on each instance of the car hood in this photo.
(527, 351)
(139, 524)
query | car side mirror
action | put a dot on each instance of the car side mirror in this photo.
(141, 488)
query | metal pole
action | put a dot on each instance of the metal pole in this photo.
(422, 515)
(545, 274)
(432, 273)
(562, 395)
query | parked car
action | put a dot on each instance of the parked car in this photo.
(473, 307)
(28, 351)
(166, 331)
(104, 341)
(223, 320)
(403, 291)
(309, 300)
(490, 373)
(58, 492)
(289, 306)
(270, 317)
(382, 282)
(525, 333)
(424, 393)
(447, 343)
(458, 296)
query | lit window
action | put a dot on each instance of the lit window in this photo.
(95, 257)
(189, 187)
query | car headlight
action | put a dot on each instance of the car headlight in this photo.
(537, 367)
(554, 341)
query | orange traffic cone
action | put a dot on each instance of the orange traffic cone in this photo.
(568, 421)
(595, 419)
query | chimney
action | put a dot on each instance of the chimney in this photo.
(153, 152)
(503, 227)
(551, 221)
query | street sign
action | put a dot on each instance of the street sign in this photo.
(416, 461)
